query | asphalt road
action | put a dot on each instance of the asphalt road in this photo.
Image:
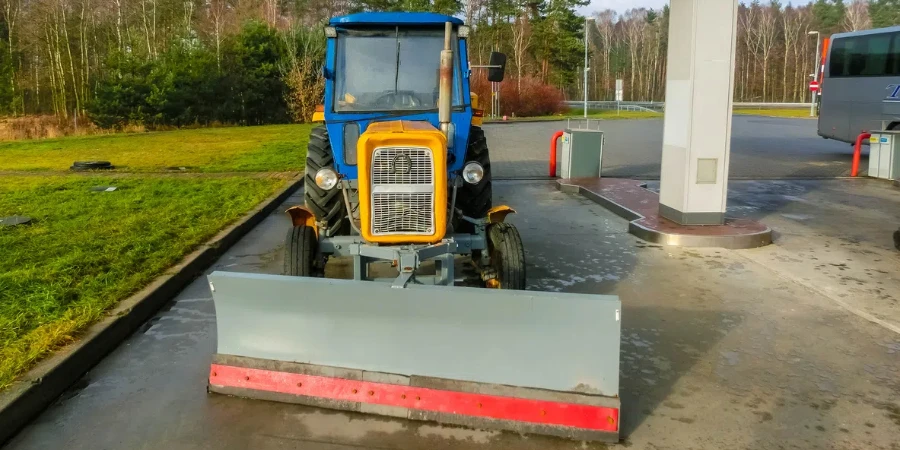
(761, 148)
(766, 348)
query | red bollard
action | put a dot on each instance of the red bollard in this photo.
(556, 136)
(854, 169)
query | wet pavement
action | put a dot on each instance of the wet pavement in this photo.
(761, 148)
(787, 346)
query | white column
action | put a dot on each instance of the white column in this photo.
(697, 133)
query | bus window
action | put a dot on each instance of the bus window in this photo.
(861, 56)
(894, 57)
(876, 53)
(840, 55)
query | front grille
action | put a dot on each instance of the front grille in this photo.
(397, 165)
(403, 213)
(402, 191)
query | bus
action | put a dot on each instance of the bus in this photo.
(860, 84)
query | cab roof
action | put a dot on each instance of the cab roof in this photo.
(393, 18)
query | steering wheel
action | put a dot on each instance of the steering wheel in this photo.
(397, 100)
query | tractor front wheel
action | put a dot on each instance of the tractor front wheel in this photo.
(507, 255)
(300, 253)
(327, 206)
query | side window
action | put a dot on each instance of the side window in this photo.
(856, 62)
(894, 56)
(840, 52)
(865, 56)
(876, 55)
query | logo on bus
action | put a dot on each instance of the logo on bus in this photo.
(895, 93)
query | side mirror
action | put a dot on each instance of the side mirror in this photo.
(495, 73)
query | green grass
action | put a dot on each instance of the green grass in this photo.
(87, 250)
(274, 148)
(592, 114)
(795, 113)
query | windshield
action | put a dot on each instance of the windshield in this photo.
(390, 70)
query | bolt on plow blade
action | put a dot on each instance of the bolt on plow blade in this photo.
(530, 362)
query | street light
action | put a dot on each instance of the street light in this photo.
(586, 68)
(815, 76)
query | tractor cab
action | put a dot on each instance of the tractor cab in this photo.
(386, 70)
(387, 66)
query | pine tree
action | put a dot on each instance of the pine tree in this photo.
(828, 15)
(884, 13)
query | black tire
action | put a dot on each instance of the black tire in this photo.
(91, 165)
(507, 255)
(475, 199)
(327, 206)
(300, 252)
(897, 239)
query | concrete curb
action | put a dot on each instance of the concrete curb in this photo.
(44, 383)
(731, 242)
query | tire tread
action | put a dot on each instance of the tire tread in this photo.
(507, 255)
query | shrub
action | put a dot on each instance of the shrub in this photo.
(520, 98)
(302, 71)
(185, 85)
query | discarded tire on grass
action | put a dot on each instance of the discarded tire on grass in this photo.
(91, 165)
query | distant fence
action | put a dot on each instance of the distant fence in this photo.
(661, 106)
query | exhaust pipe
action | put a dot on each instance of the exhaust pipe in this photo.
(445, 94)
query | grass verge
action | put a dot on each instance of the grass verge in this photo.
(594, 114)
(790, 113)
(273, 148)
(87, 250)
(623, 115)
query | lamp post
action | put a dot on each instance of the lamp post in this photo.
(586, 68)
(815, 76)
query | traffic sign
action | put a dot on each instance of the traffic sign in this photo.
(814, 85)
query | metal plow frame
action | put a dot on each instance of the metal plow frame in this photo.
(408, 257)
(532, 362)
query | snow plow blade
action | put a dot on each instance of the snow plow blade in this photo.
(529, 362)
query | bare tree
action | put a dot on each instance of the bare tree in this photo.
(605, 24)
(471, 7)
(148, 7)
(857, 16)
(218, 9)
(521, 34)
(10, 11)
(766, 33)
(791, 24)
(747, 19)
(271, 11)
(802, 52)
(635, 27)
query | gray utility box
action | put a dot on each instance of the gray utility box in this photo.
(884, 154)
(582, 150)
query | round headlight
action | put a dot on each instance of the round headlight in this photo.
(473, 173)
(326, 179)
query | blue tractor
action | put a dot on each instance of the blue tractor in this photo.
(400, 173)
(400, 170)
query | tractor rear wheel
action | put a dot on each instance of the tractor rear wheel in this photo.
(507, 255)
(475, 199)
(300, 253)
(327, 206)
